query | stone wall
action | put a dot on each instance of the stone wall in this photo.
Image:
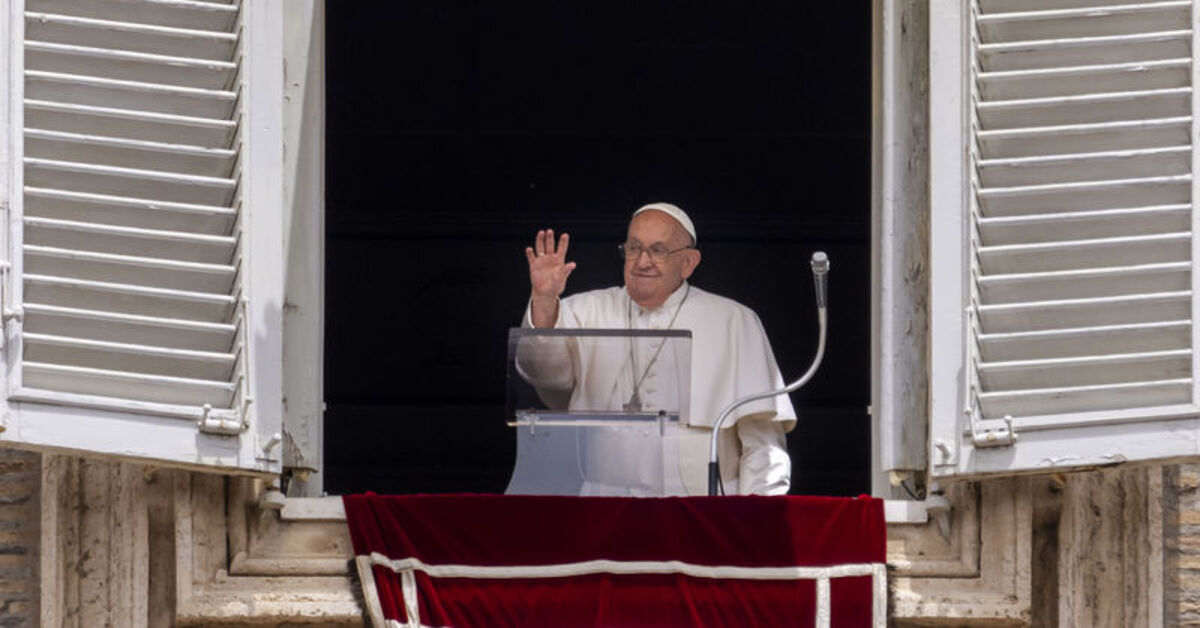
(1181, 543)
(20, 489)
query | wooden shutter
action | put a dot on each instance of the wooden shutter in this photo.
(150, 193)
(1078, 230)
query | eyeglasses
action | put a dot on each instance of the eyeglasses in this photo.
(657, 253)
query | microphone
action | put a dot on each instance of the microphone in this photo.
(820, 268)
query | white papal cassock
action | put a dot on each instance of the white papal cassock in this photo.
(730, 357)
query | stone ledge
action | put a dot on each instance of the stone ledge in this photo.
(252, 601)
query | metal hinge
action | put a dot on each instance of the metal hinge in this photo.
(993, 433)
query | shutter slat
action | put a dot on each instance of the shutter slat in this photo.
(130, 358)
(1042, 404)
(1078, 51)
(124, 65)
(125, 210)
(1085, 312)
(1034, 139)
(1085, 108)
(1088, 370)
(1085, 283)
(189, 14)
(1085, 167)
(1084, 224)
(1048, 82)
(137, 182)
(134, 154)
(129, 123)
(1000, 7)
(128, 299)
(1077, 254)
(129, 328)
(1058, 343)
(1086, 195)
(136, 386)
(135, 95)
(172, 245)
(1085, 21)
(143, 271)
(149, 38)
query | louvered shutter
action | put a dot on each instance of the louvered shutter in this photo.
(1074, 216)
(145, 274)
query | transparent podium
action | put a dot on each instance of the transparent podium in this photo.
(592, 409)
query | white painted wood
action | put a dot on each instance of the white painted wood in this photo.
(949, 198)
(56, 422)
(899, 402)
(1079, 290)
(304, 242)
(150, 277)
(262, 181)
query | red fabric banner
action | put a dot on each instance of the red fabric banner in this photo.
(488, 533)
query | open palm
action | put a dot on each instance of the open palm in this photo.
(548, 268)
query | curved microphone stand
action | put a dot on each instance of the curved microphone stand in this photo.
(820, 269)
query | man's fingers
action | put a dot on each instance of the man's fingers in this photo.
(543, 244)
(569, 267)
(529, 255)
(539, 242)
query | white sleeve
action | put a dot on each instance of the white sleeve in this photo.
(765, 468)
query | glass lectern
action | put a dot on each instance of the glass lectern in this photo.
(591, 408)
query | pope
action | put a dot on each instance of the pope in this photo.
(730, 358)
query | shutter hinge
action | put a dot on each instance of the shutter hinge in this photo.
(8, 313)
(226, 422)
(993, 433)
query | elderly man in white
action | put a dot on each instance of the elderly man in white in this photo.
(731, 357)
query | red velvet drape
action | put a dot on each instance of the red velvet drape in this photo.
(493, 530)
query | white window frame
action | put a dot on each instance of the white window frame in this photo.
(1079, 440)
(155, 432)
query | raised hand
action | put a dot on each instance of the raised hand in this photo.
(548, 272)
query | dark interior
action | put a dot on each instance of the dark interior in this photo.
(456, 129)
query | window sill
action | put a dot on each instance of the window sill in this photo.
(895, 511)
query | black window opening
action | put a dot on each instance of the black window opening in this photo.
(455, 130)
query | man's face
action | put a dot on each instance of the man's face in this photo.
(650, 282)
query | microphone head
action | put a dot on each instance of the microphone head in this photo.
(820, 263)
